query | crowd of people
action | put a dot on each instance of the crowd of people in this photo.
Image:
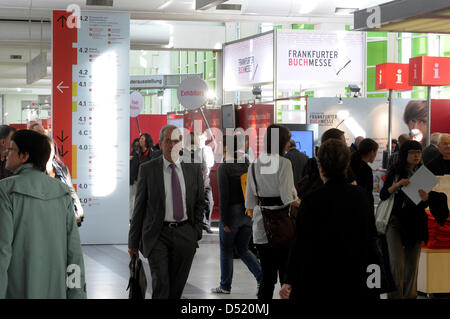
(311, 220)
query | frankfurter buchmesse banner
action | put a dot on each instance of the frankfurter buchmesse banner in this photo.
(313, 58)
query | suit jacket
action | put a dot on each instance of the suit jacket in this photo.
(429, 153)
(438, 166)
(298, 161)
(149, 208)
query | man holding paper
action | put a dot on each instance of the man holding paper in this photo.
(408, 223)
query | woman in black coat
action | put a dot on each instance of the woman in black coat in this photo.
(359, 163)
(335, 228)
(408, 224)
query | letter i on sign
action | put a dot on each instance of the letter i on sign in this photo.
(381, 76)
(399, 76)
(436, 71)
(415, 71)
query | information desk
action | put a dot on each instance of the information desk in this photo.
(434, 271)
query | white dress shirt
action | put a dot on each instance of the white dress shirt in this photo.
(278, 181)
(168, 189)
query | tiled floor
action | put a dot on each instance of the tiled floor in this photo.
(107, 273)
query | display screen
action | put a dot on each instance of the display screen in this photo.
(228, 116)
(304, 141)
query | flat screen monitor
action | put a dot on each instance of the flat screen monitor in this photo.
(304, 141)
(228, 120)
(306, 136)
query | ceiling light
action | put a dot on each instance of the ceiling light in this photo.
(344, 11)
(19, 89)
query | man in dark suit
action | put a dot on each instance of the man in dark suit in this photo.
(430, 152)
(297, 159)
(168, 214)
(441, 164)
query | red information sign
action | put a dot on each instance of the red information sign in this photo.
(392, 76)
(64, 56)
(429, 71)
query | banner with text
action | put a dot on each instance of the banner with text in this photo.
(248, 62)
(313, 58)
(91, 117)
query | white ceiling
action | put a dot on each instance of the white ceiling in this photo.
(13, 73)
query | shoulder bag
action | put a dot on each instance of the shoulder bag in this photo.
(279, 224)
(383, 213)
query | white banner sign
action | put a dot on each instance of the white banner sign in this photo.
(136, 103)
(146, 81)
(101, 126)
(248, 62)
(313, 58)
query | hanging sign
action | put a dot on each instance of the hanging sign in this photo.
(136, 103)
(192, 93)
(392, 76)
(429, 71)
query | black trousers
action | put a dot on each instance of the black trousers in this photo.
(273, 265)
(170, 261)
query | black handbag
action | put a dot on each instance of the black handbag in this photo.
(279, 224)
(138, 281)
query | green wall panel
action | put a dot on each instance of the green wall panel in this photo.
(419, 47)
(376, 52)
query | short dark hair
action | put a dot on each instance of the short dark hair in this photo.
(366, 146)
(5, 130)
(331, 133)
(334, 158)
(148, 140)
(284, 136)
(36, 145)
(292, 143)
(415, 110)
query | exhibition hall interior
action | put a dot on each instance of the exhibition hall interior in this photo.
(109, 82)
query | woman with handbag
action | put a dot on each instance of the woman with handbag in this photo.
(270, 193)
(335, 228)
(407, 224)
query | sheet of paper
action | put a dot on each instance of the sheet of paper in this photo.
(444, 186)
(422, 179)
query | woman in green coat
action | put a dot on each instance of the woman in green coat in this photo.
(40, 250)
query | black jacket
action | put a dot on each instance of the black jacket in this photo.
(134, 167)
(230, 189)
(429, 153)
(412, 218)
(298, 161)
(439, 166)
(333, 243)
(364, 176)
